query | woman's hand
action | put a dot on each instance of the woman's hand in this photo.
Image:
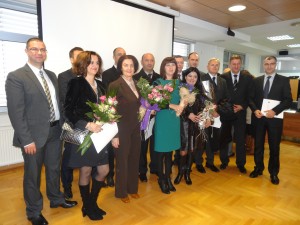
(207, 123)
(93, 127)
(115, 142)
(193, 118)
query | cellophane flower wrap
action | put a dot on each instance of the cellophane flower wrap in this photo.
(187, 95)
(153, 98)
(102, 112)
(206, 114)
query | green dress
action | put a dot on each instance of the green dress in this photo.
(167, 124)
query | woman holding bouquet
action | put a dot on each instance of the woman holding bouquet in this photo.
(81, 89)
(191, 138)
(167, 125)
(127, 143)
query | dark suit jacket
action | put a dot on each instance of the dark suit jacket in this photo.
(28, 107)
(63, 80)
(220, 91)
(78, 93)
(145, 76)
(244, 87)
(280, 91)
(110, 75)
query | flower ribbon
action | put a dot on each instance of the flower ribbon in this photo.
(149, 108)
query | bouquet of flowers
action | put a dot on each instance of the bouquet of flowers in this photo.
(187, 95)
(102, 112)
(206, 114)
(153, 98)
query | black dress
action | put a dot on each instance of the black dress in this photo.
(78, 93)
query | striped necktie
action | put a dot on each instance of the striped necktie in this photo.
(235, 82)
(48, 95)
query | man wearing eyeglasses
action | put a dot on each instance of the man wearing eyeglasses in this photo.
(33, 109)
(270, 87)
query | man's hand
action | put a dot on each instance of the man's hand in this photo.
(258, 114)
(270, 113)
(30, 149)
(237, 108)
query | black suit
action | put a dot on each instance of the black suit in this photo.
(240, 96)
(109, 76)
(66, 171)
(144, 144)
(219, 92)
(280, 91)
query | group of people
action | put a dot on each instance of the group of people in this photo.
(38, 103)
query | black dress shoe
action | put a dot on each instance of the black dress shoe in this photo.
(110, 181)
(164, 186)
(274, 179)
(255, 173)
(223, 166)
(38, 220)
(143, 177)
(200, 169)
(66, 204)
(242, 169)
(212, 167)
(68, 193)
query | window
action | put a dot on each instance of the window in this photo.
(16, 28)
(182, 48)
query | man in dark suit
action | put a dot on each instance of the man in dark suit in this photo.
(109, 76)
(150, 75)
(239, 86)
(63, 80)
(180, 63)
(216, 89)
(271, 86)
(33, 109)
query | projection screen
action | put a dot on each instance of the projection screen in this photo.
(101, 26)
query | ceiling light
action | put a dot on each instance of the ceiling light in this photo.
(237, 8)
(294, 46)
(280, 38)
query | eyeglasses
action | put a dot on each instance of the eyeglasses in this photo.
(36, 50)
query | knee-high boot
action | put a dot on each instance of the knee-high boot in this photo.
(87, 208)
(187, 173)
(181, 169)
(96, 187)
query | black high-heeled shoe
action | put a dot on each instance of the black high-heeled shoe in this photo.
(91, 214)
(187, 177)
(163, 186)
(170, 185)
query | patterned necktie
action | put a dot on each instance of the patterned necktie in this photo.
(267, 87)
(47, 92)
(235, 82)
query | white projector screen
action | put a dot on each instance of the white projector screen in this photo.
(101, 26)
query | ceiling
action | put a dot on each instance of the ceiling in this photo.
(261, 19)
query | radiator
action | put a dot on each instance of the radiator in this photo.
(8, 154)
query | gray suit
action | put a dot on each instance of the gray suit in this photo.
(28, 110)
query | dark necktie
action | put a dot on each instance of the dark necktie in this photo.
(150, 76)
(214, 80)
(48, 95)
(267, 87)
(235, 82)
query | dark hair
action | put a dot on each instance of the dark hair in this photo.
(71, 52)
(188, 71)
(83, 61)
(164, 63)
(271, 57)
(134, 60)
(178, 56)
(236, 57)
(33, 39)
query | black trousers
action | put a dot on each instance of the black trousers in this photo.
(66, 171)
(274, 128)
(143, 164)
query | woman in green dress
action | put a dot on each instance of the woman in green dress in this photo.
(167, 126)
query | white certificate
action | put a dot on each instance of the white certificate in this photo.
(101, 139)
(269, 104)
(148, 131)
(206, 86)
(217, 122)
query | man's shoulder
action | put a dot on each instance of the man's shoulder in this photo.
(67, 73)
(110, 70)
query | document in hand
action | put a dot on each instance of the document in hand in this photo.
(101, 139)
(269, 104)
